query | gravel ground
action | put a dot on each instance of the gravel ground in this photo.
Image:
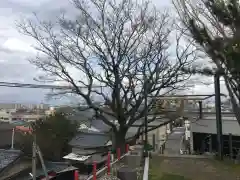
(192, 168)
(113, 175)
(109, 177)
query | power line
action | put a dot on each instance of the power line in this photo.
(42, 86)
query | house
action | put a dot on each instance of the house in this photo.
(91, 127)
(54, 169)
(76, 114)
(10, 162)
(88, 146)
(5, 135)
(6, 114)
(28, 116)
(85, 117)
(157, 131)
(203, 133)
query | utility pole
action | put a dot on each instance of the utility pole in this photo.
(42, 162)
(36, 150)
(146, 116)
(200, 110)
(218, 115)
(34, 157)
(13, 136)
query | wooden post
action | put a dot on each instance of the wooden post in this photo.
(210, 143)
(13, 135)
(230, 146)
(154, 142)
(76, 176)
(142, 136)
(34, 154)
(200, 110)
(218, 116)
(127, 148)
(118, 153)
(108, 163)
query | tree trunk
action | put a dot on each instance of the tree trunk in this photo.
(119, 140)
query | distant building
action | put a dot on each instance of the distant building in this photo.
(29, 116)
(6, 115)
(20, 106)
(24, 114)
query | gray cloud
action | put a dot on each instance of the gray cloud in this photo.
(13, 59)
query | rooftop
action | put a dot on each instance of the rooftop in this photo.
(89, 139)
(7, 157)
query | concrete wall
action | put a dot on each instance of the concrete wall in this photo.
(208, 125)
(160, 136)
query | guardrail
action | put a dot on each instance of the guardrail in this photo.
(105, 168)
(146, 169)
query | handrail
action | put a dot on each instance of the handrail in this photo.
(105, 167)
(146, 169)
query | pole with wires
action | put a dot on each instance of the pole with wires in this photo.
(43, 86)
(34, 153)
(146, 116)
(218, 116)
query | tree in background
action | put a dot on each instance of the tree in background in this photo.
(215, 26)
(125, 47)
(52, 134)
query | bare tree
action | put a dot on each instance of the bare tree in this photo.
(121, 46)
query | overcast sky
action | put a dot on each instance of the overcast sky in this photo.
(16, 48)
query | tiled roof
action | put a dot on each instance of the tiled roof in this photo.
(100, 125)
(5, 135)
(50, 166)
(85, 117)
(5, 126)
(133, 130)
(89, 139)
(7, 157)
(77, 115)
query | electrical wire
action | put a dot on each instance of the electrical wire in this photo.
(41, 86)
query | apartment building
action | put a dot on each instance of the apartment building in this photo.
(27, 116)
(20, 106)
(11, 115)
(6, 114)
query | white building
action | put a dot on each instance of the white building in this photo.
(6, 115)
(10, 115)
(19, 106)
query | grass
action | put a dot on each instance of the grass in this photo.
(156, 174)
(167, 176)
(162, 168)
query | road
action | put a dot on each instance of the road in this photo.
(172, 146)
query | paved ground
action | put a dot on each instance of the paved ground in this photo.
(193, 169)
(172, 146)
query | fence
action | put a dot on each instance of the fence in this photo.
(100, 172)
(231, 145)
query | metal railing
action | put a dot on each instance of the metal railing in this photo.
(231, 145)
(102, 170)
(146, 169)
